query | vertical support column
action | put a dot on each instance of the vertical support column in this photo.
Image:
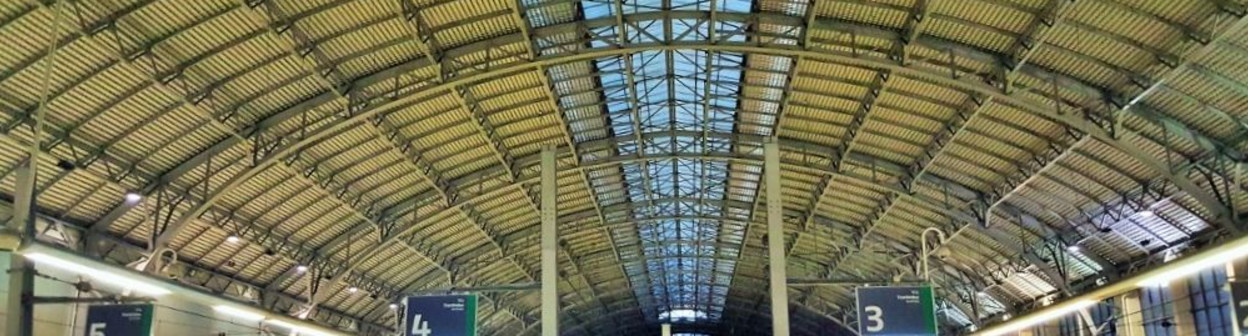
(1184, 322)
(550, 261)
(1048, 328)
(1033, 331)
(19, 320)
(775, 239)
(1131, 312)
(666, 330)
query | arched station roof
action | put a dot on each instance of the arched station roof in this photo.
(393, 147)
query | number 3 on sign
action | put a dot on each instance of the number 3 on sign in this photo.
(875, 322)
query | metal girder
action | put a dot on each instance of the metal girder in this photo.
(1053, 15)
(265, 239)
(1222, 215)
(294, 251)
(610, 240)
(195, 275)
(312, 69)
(543, 62)
(915, 22)
(861, 61)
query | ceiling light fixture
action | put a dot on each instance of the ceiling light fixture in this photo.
(239, 313)
(232, 239)
(1031, 320)
(132, 197)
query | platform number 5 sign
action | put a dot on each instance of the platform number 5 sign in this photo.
(119, 320)
(1239, 303)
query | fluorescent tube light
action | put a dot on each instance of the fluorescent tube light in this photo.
(98, 274)
(1032, 320)
(239, 313)
(1193, 266)
(296, 329)
(282, 324)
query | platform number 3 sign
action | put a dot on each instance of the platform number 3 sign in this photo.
(903, 310)
(874, 319)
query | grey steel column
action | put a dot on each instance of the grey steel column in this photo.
(550, 261)
(21, 312)
(19, 320)
(1132, 321)
(1184, 321)
(775, 239)
(666, 329)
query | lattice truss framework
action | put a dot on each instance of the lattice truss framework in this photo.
(392, 146)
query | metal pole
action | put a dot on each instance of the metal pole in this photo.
(775, 239)
(550, 296)
(19, 320)
(923, 241)
(666, 329)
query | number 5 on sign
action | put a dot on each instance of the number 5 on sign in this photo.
(97, 329)
(1239, 304)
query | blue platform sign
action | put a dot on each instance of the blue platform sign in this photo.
(119, 320)
(1239, 305)
(448, 315)
(896, 311)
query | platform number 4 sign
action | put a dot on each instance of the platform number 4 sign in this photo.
(1239, 303)
(420, 327)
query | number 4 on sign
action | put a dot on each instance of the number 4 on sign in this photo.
(874, 318)
(420, 328)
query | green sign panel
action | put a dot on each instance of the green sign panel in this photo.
(896, 311)
(119, 320)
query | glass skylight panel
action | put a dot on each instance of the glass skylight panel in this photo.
(655, 93)
(596, 9)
